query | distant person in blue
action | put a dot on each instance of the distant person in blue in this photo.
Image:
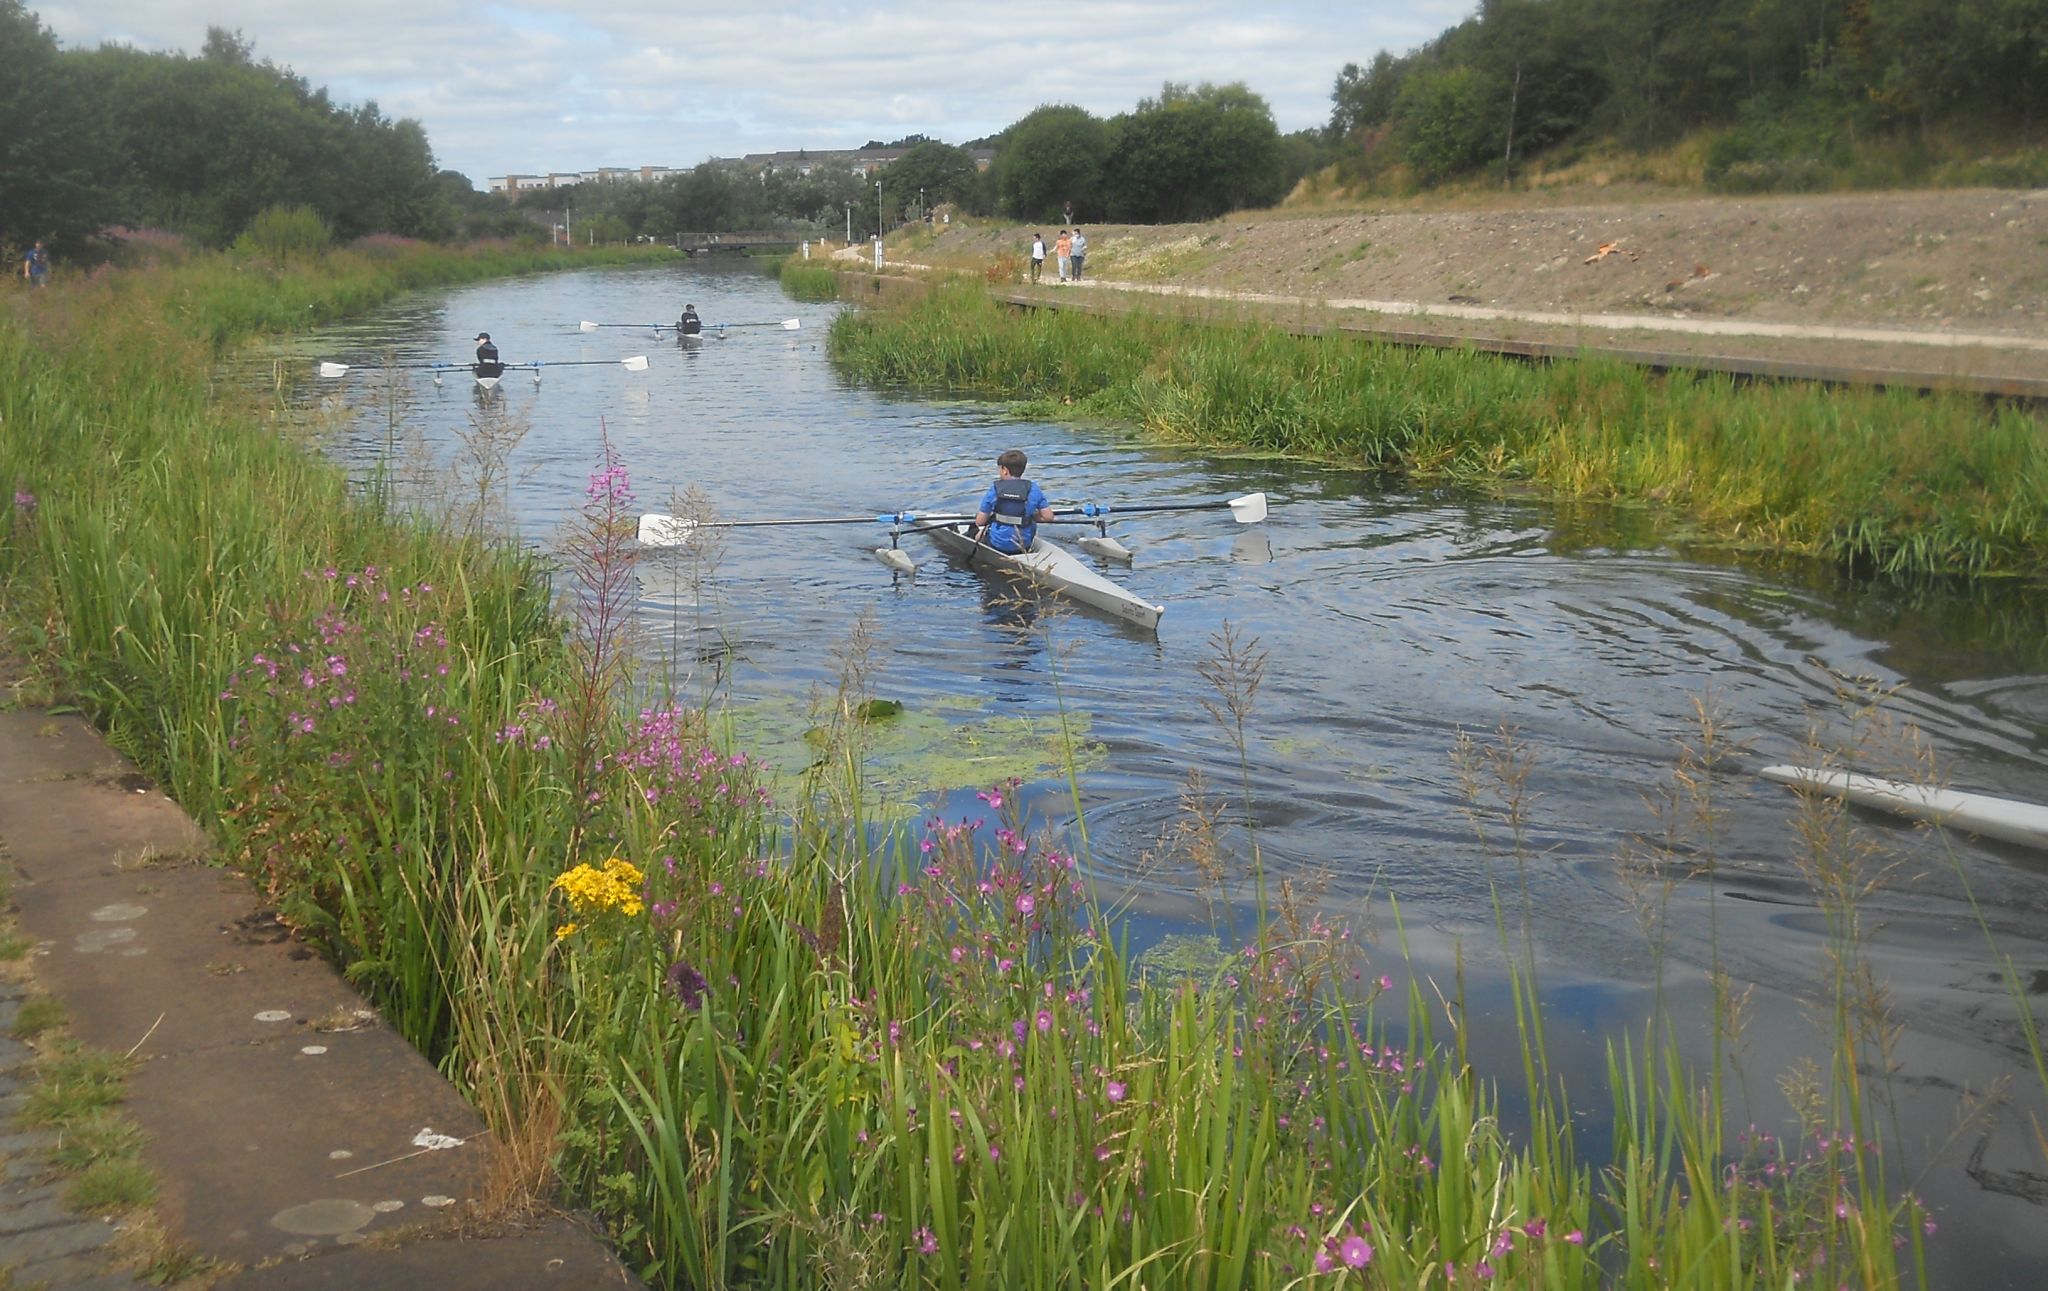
(689, 324)
(1012, 507)
(35, 265)
(487, 361)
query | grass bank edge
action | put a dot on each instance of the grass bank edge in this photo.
(1892, 481)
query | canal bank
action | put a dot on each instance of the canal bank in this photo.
(294, 1140)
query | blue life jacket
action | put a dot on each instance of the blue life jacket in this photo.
(1012, 510)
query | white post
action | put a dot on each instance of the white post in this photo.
(878, 251)
(807, 248)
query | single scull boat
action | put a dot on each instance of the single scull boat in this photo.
(1050, 566)
(1971, 813)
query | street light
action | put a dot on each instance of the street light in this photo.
(878, 209)
(849, 221)
(920, 203)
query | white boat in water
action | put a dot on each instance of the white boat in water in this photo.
(1971, 813)
(1051, 566)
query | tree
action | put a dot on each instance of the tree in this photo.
(1192, 154)
(943, 172)
(1051, 156)
(52, 158)
(1443, 115)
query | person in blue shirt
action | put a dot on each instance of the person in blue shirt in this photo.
(1012, 507)
(35, 266)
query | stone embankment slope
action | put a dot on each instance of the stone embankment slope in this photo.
(296, 1141)
(1940, 282)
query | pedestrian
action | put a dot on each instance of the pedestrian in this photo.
(487, 362)
(1070, 213)
(1012, 507)
(35, 265)
(1079, 251)
(1037, 256)
(1063, 250)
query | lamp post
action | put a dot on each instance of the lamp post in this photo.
(878, 210)
(849, 222)
(920, 203)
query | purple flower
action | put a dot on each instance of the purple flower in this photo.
(1044, 1021)
(1026, 904)
(927, 1242)
(688, 984)
(1355, 1251)
(1117, 1090)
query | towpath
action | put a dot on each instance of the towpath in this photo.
(297, 1142)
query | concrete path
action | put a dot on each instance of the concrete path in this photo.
(294, 1137)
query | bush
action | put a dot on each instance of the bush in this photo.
(284, 233)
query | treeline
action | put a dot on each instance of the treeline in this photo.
(201, 144)
(1189, 154)
(1793, 92)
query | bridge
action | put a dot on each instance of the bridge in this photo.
(742, 241)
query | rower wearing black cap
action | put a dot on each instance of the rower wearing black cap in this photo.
(487, 362)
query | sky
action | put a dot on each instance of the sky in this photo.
(575, 84)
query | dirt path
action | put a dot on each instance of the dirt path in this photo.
(1953, 281)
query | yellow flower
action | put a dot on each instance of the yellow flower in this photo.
(593, 891)
(564, 931)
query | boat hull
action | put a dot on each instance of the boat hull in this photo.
(1971, 813)
(1053, 567)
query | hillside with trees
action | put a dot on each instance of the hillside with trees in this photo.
(1804, 94)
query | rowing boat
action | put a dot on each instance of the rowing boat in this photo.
(1971, 813)
(1050, 566)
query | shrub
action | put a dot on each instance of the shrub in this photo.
(283, 233)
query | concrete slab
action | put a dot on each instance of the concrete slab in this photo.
(267, 1150)
(66, 829)
(557, 1255)
(181, 956)
(36, 747)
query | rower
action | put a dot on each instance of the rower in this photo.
(1012, 508)
(487, 362)
(689, 324)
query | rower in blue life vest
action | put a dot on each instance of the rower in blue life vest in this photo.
(487, 363)
(1012, 507)
(689, 324)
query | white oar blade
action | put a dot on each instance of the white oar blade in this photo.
(665, 531)
(1249, 509)
(791, 324)
(588, 326)
(897, 559)
(333, 369)
(638, 363)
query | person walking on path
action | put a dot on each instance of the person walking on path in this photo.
(1070, 212)
(35, 265)
(1037, 256)
(1063, 249)
(1079, 251)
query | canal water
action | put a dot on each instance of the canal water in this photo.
(1380, 625)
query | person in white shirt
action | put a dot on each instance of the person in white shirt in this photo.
(1037, 255)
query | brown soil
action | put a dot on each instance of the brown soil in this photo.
(1949, 261)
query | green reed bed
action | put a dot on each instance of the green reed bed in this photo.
(770, 1053)
(1894, 481)
(808, 279)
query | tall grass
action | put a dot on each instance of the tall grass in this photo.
(768, 1051)
(809, 280)
(1886, 480)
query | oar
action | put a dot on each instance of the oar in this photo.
(1248, 509)
(787, 324)
(342, 369)
(667, 530)
(638, 363)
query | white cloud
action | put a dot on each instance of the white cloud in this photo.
(523, 85)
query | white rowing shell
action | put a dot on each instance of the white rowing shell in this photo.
(1972, 813)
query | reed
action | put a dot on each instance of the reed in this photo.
(1891, 481)
(808, 280)
(768, 1050)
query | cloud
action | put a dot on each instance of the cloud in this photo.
(527, 86)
